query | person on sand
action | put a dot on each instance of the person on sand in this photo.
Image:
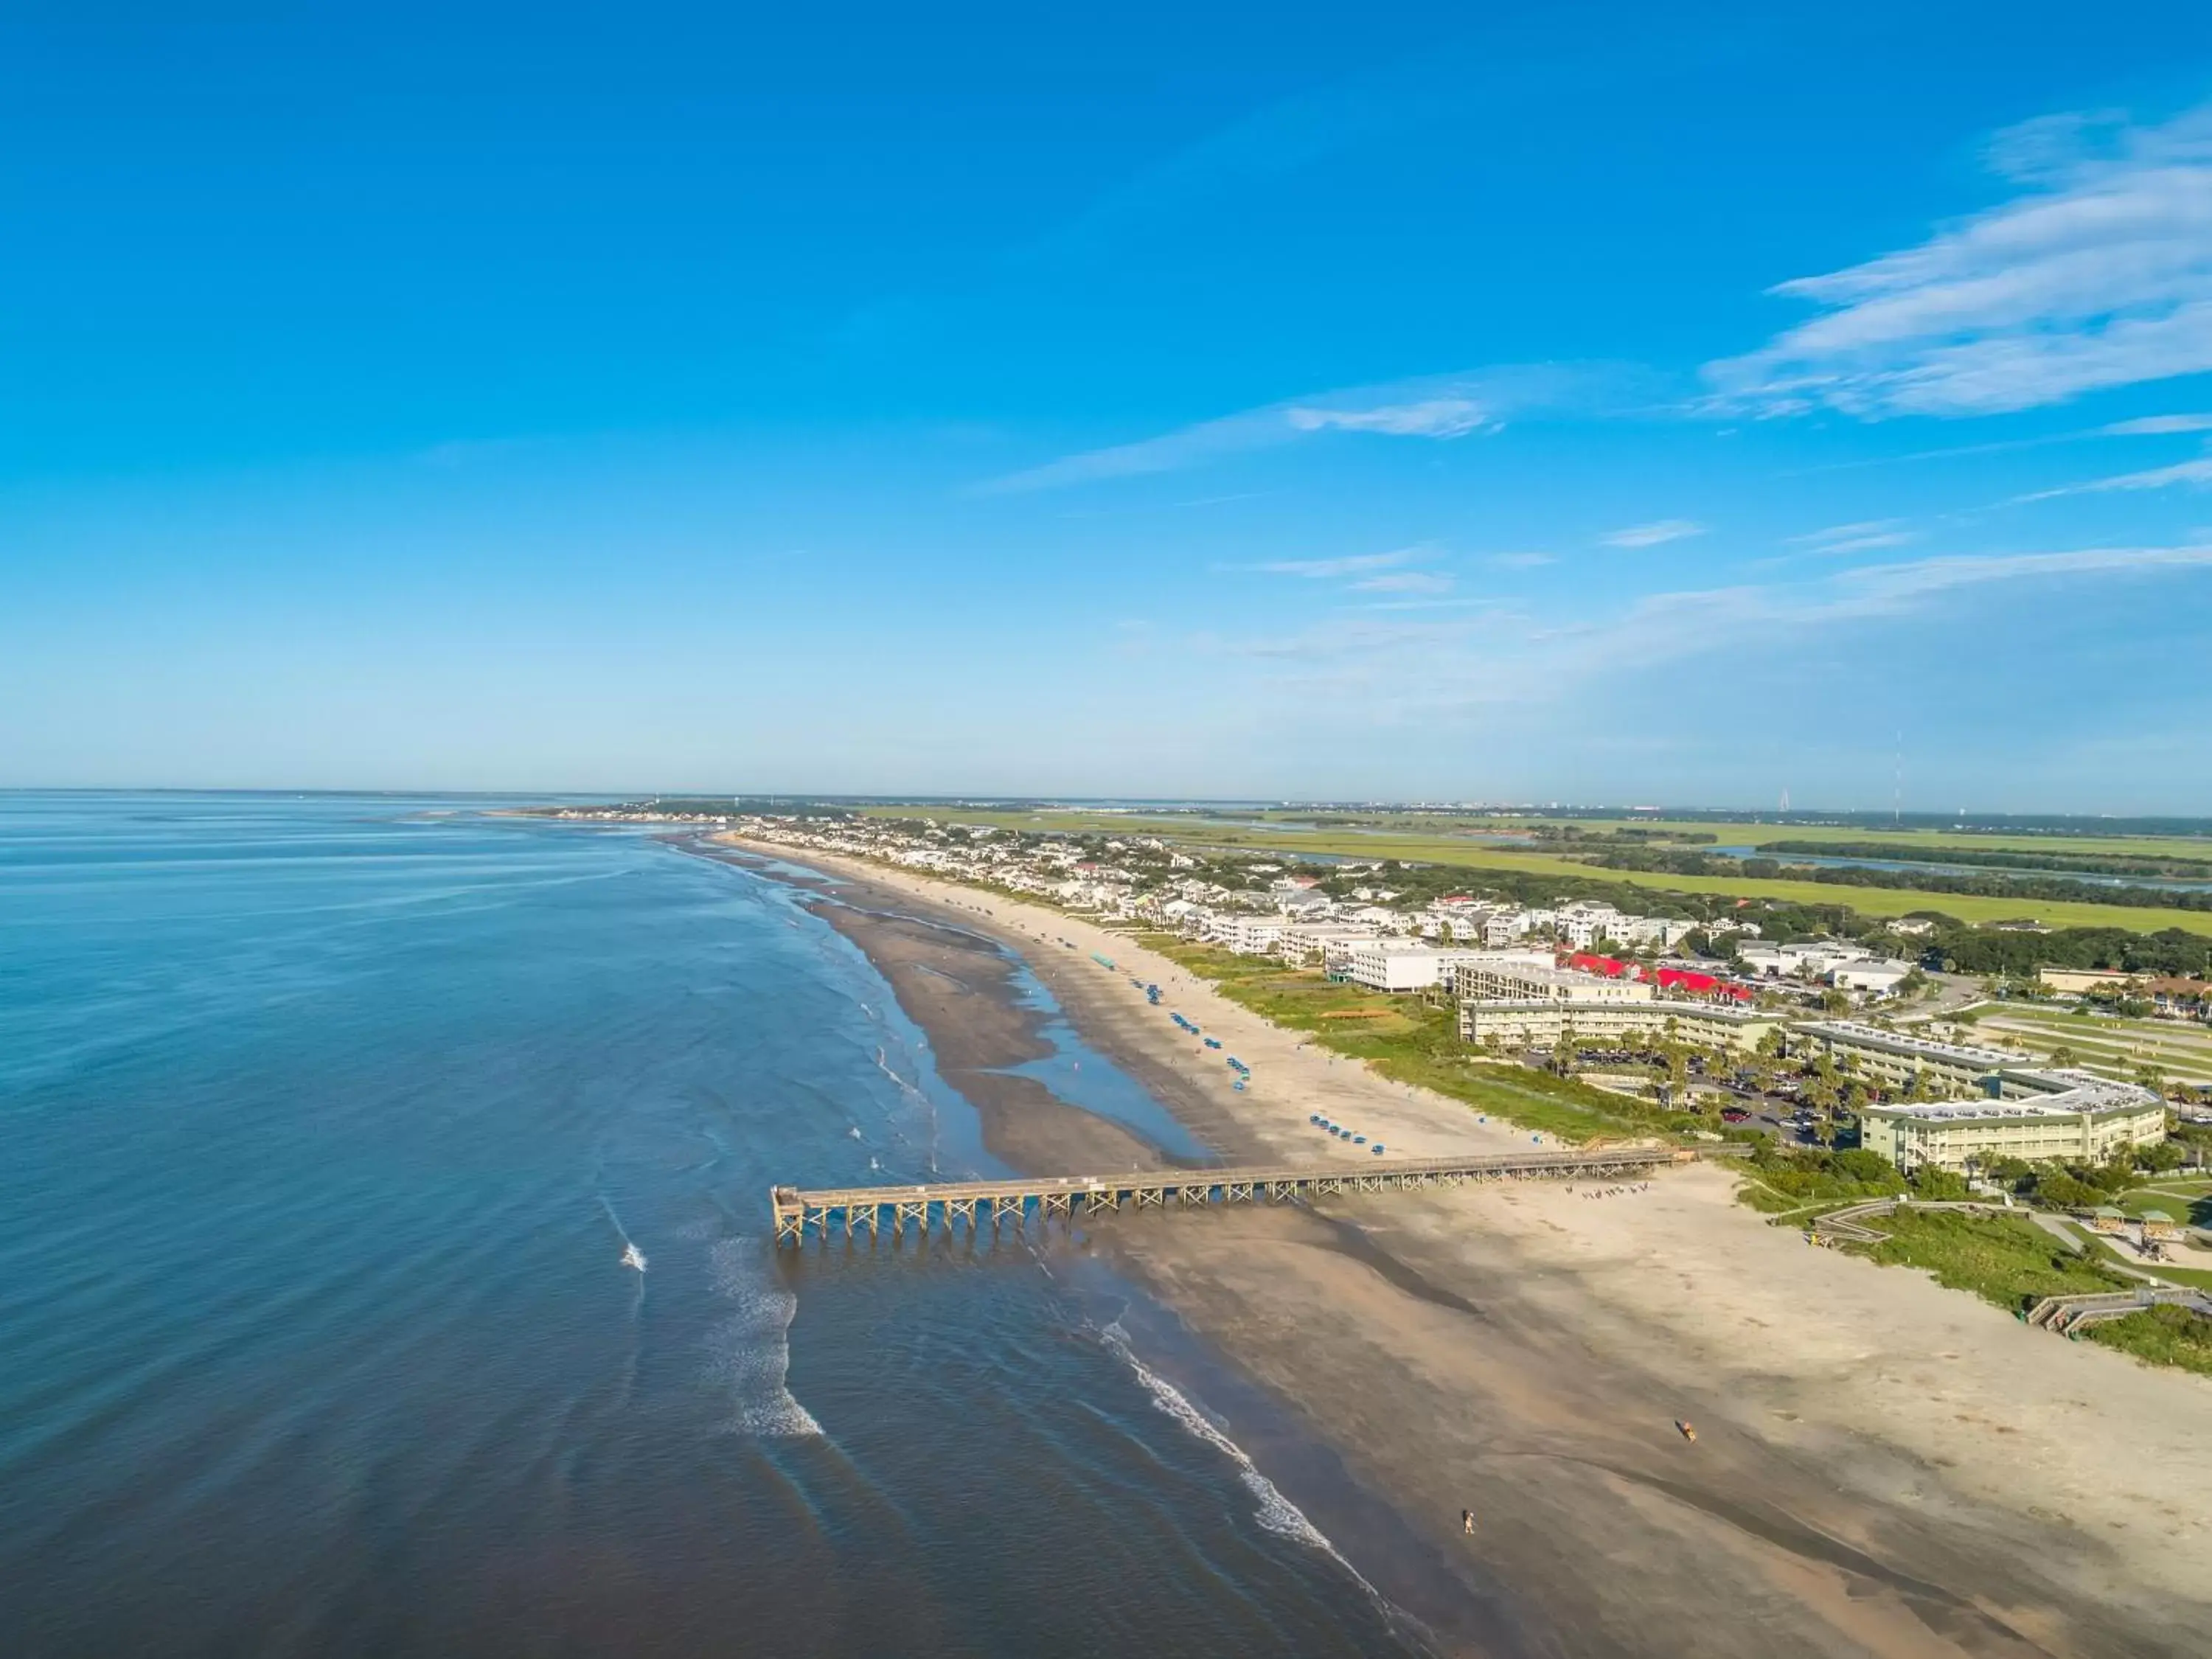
(1466, 1522)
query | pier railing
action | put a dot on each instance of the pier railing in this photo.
(878, 1210)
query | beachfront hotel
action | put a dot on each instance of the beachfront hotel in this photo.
(1488, 979)
(2026, 1110)
(2084, 1125)
(1894, 1059)
(1529, 1022)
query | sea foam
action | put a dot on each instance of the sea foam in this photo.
(749, 1352)
(1273, 1511)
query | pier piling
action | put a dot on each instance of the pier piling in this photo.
(1064, 1198)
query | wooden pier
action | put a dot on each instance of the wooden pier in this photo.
(878, 1210)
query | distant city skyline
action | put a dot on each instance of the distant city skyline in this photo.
(1595, 406)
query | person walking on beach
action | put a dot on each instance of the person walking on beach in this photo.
(1466, 1522)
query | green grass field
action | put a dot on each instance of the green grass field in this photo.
(1430, 848)
(1749, 834)
(2183, 1199)
(1408, 1041)
(2120, 1046)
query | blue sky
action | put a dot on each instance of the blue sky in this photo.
(1429, 402)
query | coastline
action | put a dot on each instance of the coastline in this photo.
(1883, 1467)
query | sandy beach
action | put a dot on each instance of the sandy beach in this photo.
(1882, 1467)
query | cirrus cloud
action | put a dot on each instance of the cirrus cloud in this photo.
(1439, 408)
(2099, 274)
(1656, 534)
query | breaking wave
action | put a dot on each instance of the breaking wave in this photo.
(749, 1352)
(1273, 1511)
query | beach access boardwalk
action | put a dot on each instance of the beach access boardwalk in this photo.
(875, 1209)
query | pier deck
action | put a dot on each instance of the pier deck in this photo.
(877, 1209)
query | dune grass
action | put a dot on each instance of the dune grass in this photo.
(1409, 1041)
(2001, 1259)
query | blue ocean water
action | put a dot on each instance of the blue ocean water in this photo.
(326, 1121)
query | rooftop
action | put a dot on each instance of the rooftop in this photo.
(2092, 1097)
(1899, 1042)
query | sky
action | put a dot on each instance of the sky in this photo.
(1617, 405)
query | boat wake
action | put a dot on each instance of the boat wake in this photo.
(749, 1352)
(631, 1255)
(1273, 1511)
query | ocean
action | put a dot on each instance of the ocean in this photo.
(327, 1121)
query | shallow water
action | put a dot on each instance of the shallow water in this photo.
(2089, 877)
(328, 1120)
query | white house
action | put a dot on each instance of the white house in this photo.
(1250, 936)
(1391, 965)
(1877, 974)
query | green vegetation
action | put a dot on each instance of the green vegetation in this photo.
(2160, 1336)
(2014, 889)
(2001, 1259)
(1776, 1182)
(1568, 877)
(2174, 949)
(2034, 859)
(1413, 1044)
(2184, 1200)
(2150, 839)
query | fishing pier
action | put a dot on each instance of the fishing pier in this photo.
(878, 1210)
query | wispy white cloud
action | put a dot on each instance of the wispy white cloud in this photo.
(1865, 537)
(1349, 565)
(2152, 426)
(2196, 473)
(1522, 561)
(1918, 578)
(1405, 582)
(2097, 274)
(1439, 408)
(1499, 656)
(1431, 418)
(1656, 534)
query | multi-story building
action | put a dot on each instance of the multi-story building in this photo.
(1395, 965)
(1664, 931)
(2085, 1123)
(1539, 1024)
(1457, 975)
(2012, 1106)
(1894, 1058)
(1489, 981)
(1332, 941)
(1248, 936)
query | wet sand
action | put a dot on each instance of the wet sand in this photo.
(1882, 1467)
(961, 990)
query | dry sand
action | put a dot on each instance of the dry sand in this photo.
(1882, 1467)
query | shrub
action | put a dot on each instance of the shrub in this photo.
(2161, 1336)
(2066, 1192)
(1864, 1166)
